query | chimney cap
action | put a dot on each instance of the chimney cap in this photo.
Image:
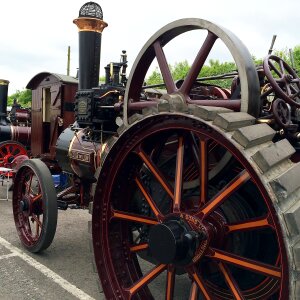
(91, 10)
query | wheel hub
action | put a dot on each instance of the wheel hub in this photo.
(175, 242)
(24, 205)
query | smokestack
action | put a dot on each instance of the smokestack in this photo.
(3, 101)
(90, 25)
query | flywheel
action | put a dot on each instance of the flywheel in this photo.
(229, 236)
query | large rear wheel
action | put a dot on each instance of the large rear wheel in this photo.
(230, 236)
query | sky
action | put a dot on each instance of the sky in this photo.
(35, 34)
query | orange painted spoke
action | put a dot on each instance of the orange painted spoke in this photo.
(231, 282)
(35, 198)
(201, 285)
(157, 174)
(198, 63)
(139, 247)
(170, 283)
(146, 279)
(249, 225)
(203, 171)
(164, 67)
(178, 175)
(225, 193)
(133, 218)
(149, 199)
(245, 263)
(194, 292)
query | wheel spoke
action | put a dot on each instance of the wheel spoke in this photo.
(231, 282)
(38, 225)
(198, 63)
(199, 282)
(225, 193)
(139, 247)
(203, 171)
(164, 67)
(281, 66)
(275, 69)
(194, 292)
(38, 222)
(253, 224)
(245, 263)
(132, 217)
(35, 198)
(145, 279)
(28, 185)
(170, 284)
(149, 199)
(157, 174)
(178, 175)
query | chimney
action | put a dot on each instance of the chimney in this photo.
(3, 101)
(90, 25)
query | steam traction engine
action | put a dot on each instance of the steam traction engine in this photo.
(196, 193)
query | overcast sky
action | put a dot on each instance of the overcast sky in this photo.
(35, 34)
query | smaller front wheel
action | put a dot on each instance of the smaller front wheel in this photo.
(35, 205)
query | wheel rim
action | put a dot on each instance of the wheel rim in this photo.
(217, 234)
(250, 90)
(34, 205)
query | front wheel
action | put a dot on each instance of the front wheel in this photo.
(35, 205)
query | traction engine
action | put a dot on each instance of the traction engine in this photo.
(194, 190)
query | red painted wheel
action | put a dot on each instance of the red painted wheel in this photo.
(9, 151)
(283, 79)
(155, 237)
(35, 205)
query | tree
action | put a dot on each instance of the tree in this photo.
(214, 67)
(23, 97)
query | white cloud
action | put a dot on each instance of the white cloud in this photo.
(35, 34)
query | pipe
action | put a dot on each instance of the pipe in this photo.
(3, 101)
(90, 26)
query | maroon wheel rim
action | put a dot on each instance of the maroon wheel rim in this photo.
(133, 196)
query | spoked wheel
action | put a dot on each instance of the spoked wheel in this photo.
(283, 79)
(228, 237)
(154, 49)
(9, 151)
(35, 205)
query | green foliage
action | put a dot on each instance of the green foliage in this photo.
(155, 77)
(285, 55)
(23, 98)
(214, 67)
(180, 70)
(217, 68)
